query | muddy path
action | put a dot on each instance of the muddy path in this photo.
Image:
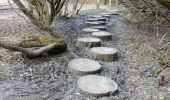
(47, 78)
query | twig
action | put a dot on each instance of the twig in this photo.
(163, 38)
(164, 46)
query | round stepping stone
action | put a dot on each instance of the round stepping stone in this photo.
(102, 35)
(108, 16)
(95, 16)
(102, 19)
(90, 30)
(96, 19)
(96, 23)
(89, 42)
(103, 53)
(92, 19)
(102, 28)
(84, 66)
(97, 85)
(107, 13)
(115, 12)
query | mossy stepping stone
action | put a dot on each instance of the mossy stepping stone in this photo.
(102, 28)
(103, 53)
(97, 85)
(89, 42)
(90, 30)
(83, 66)
(103, 35)
(95, 23)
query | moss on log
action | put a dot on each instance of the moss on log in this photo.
(33, 48)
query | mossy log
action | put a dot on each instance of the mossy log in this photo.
(33, 48)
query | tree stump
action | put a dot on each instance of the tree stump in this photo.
(90, 30)
(97, 85)
(89, 42)
(102, 35)
(96, 19)
(108, 13)
(96, 23)
(94, 16)
(103, 53)
(101, 28)
(92, 19)
(83, 66)
(102, 19)
(107, 16)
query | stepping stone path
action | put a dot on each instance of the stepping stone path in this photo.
(94, 84)
(89, 42)
(102, 28)
(90, 30)
(97, 85)
(96, 23)
(103, 35)
(103, 53)
(84, 66)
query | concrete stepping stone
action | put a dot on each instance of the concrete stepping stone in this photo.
(96, 23)
(97, 85)
(83, 66)
(103, 35)
(101, 27)
(89, 42)
(90, 30)
(103, 53)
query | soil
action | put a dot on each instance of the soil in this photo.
(47, 78)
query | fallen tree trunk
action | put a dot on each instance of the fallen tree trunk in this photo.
(32, 49)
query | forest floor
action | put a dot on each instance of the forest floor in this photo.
(47, 78)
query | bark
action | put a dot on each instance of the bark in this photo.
(75, 4)
(83, 1)
(39, 22)
(97, 4)
(110, 3)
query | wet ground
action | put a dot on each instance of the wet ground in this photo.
(47, 78)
